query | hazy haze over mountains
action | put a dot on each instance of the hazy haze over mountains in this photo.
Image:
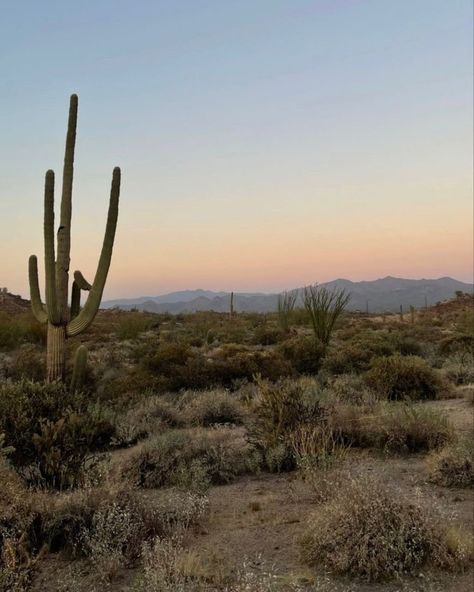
(385, 294)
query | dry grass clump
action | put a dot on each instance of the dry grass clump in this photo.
(371, 533)
(393, 427)
(192, 458)
(399, 377)
(459, 368)
(106, 525)
(169, 567)
(151, 415)
(453, 465)
(208, 408)
(350, 388)
(278, 409)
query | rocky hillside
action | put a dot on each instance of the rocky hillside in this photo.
(11, 303)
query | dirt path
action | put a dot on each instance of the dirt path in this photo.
(264, 516)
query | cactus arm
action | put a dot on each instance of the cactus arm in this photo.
(49, 256)
(87, 314)
(75, 300)
(79, 368)
(36, 304)
(81, 281)
(64, 231)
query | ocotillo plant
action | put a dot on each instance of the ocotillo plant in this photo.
(285, 307)
(324, 307)
(63, 320)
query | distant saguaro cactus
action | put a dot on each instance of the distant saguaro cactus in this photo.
(64, 321)
(232, 304)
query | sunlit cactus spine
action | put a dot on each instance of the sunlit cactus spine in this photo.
(66, 320)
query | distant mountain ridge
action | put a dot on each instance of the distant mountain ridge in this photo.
(385, 294)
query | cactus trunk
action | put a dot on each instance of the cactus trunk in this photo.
(56, 352)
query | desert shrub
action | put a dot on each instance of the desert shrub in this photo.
(404, 377)
(317, 447)
(392, 427)
(211, 407)
(459, 368)
(356, 355)
(278, 410)
(19, 329)
(52, 430)
(406, 345)
(191, 458)
(106, 525)
(266, 334)
(130, 325)
(27, 362)
(453, 465)
(169, 567)
(350, 388)
(304, 353)
(230, 364)
(461, 342)
(371, 533)
(151, 415)
(178, 366)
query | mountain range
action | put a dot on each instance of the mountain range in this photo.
(385, 294)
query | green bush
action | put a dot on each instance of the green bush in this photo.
(404, 377)
(52, 430)
(357, 354)
(266, 334)
(305, 354)
(178, 366)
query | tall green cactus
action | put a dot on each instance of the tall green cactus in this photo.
(63, 320)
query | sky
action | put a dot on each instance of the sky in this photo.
(264, 144)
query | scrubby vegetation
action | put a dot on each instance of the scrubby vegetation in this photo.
(372, 533)
(124, 473)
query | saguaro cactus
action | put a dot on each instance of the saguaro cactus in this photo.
(63, 320)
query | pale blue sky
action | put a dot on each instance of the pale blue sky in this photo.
(264, 144)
